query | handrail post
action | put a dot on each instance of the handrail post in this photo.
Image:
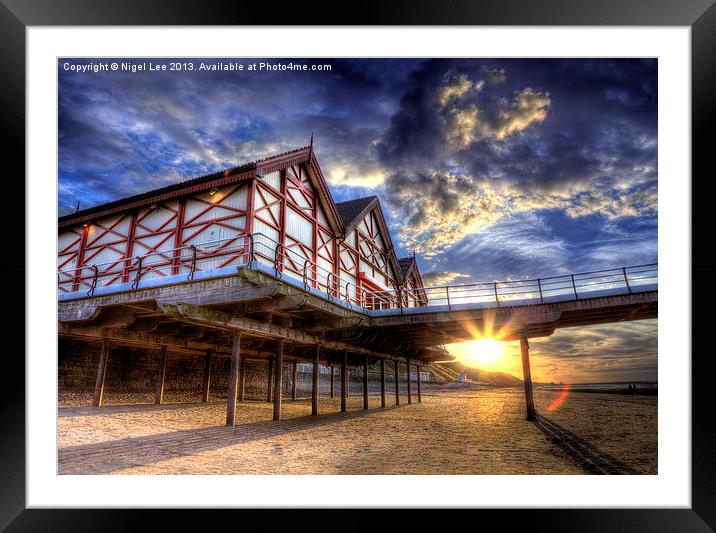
(574, 286)
(497, 298)
(328, 284)
(305, 275)
(94, 281)
(135, 283)
(447, 295)
(539, 286)
(251, 249)
(276, 259)
(626, 280)
(193, 263)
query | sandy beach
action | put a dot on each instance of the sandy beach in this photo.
(453, 431)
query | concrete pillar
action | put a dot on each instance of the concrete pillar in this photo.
(365, 383)
(419, 397)
(233, 378)
(278, 381)
(159, 392)
(382, 382)
(527, 376)
(294, 375)
(242, 379)
(344, 382)
(101, 373)
(316, 383)
(333, 381)
(397, 382)
(269, 381)
(207, 377)
(410, 398)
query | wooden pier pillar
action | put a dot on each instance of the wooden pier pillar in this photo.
(344, 382)
(333, 381)
(242, 379)
(278, 381)
(207, 377)
(159, 392)
(397, 382)
(101, 372)
(365, 383)
(233, 378)
(316, 383)
(294, 374)
(527, 376)
(269, 381)
(410, 399)
(419, 396)
(382, 382)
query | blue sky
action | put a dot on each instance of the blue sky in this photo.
(487, 168)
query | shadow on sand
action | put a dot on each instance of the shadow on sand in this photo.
(107, 457)
(589, 457)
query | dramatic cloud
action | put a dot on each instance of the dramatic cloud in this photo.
(438, 278)
(528, 107)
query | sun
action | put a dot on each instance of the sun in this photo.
(482, 351)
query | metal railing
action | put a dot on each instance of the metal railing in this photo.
(625, 280)
(249, 249)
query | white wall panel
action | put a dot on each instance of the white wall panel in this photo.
(298, 227)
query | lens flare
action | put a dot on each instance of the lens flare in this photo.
(554, 404)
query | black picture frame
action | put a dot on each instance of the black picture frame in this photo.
(699, 15)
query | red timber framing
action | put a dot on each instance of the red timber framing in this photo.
(368, 260)
(284, 198)
(287, 210)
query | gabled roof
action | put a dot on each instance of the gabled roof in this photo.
(406, 264)
(244, 171)
(353, 211)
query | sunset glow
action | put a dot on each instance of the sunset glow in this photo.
(483, 352)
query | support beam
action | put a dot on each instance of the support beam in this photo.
(333, 381)
(527, 376)
(316, 384)
(382, 382)
(344, 382)
(420, 399)
(294, 375)
(242, 379)
(365, 383)
(397, 382)
(159, 392)
(233, 378)
(207, 377)
(278, 381)
(269, 381)
(410, 398)
(193, 314)
(101, 373)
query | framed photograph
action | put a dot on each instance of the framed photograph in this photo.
(324, 266)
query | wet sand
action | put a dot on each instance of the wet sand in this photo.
(453, 431)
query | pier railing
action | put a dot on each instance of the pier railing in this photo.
(257, 251)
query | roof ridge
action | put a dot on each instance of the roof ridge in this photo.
(371, 197)
(193, 181)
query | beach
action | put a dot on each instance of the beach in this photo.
(454, 430)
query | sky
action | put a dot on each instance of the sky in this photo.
(486, 169)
